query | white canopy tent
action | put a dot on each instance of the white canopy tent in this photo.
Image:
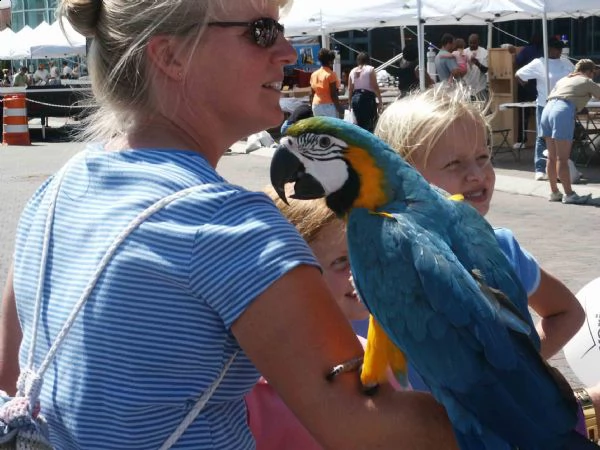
(327, 16)
(44, 41)
(10, 45)
(52, 42)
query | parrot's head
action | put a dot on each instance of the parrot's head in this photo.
(331, 158)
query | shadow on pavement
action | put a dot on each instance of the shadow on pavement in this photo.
(505, 162)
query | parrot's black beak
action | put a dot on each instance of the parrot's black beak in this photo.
(287, 168)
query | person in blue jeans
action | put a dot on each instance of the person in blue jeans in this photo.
(558, 68)
(569, 96)
(444, 136)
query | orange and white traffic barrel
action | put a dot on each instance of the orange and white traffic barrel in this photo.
(15, 128)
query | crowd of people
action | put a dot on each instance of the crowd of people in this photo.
(178, 290)
(468, 66)
(41, 76)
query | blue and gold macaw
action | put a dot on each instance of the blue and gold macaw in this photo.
(438, 287)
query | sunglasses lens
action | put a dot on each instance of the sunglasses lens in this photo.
(266, 31)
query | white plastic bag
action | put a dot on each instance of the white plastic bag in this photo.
(259, 140)
(349, 116)
(575, 174)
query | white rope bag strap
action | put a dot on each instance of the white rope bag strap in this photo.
(30, 381)
(199, 406)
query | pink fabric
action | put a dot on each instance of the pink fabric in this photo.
(273, 425)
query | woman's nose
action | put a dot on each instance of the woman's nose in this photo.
(285, 51)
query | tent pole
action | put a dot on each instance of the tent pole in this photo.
(490, 29)
(545, 43)
(421, 45)
(402, 38)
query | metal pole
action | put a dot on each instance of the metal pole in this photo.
(421, 45)
(402, 38)
(545, 43)
(490, 29)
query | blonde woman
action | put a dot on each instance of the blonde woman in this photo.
(570, 95)
(215, 285)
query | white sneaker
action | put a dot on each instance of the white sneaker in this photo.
(575, 199)
(518, 145)
(556, 197)
(541, 176)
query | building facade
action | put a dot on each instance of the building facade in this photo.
(32, 13)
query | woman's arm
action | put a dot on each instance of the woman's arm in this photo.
(10, 339)
(375, 86)
(334, 96)
(303, 334)
(561, 313)
(594, 393)
(350, 89)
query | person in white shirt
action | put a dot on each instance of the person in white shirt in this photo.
(557, 68)
(53, 71)
(66, 71)
(476, 76)
(41, 75)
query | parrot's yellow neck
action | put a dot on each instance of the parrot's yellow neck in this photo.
(371, 194)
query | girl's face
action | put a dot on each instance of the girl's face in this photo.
(331, 251)
(460, 163)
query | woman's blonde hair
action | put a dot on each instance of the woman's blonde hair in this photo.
(308, 216)
(585, 65)
(416, 122)
(121, 30)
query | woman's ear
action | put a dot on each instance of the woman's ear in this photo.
(167, 56)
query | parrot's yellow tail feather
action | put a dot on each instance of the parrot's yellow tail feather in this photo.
(398, 364)
(374, 370)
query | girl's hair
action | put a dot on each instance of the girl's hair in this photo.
(308, 216)
(416, 122)
(585, 65)
(459, 43)
(120, 73)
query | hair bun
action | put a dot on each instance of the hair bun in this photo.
(82, 14)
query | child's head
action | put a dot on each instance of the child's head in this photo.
(444, 135)
(459, 44)
(326, 236)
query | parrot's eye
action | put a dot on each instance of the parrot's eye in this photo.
(324, 142)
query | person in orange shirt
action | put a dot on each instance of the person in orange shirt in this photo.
(324, 85)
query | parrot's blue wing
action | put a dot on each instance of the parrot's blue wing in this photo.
(484, 253)
(487, 374)
(473, 241)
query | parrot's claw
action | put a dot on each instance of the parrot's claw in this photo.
(370, 390)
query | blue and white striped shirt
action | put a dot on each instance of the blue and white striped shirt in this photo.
(156, 330)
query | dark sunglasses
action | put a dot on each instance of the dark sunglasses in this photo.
(264, 30)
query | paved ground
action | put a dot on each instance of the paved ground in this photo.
(564, 238)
